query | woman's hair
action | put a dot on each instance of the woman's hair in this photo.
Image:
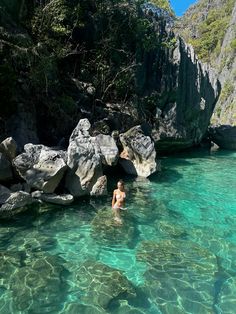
(121, 182)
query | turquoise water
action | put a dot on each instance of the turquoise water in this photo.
(174, 253)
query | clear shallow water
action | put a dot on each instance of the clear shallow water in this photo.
(174, 253)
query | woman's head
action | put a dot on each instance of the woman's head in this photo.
(120, 185)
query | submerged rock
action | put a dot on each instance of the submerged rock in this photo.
(84, 161)
(106, 231)
(227, 296)
(62, 199)
(100, 284)
(126, 308)
(172, 230)
(139, 155)
(224, 136)
(9, 262)
(184, 255)
(39, 285)
(41, 167)
(180, 294)
(32, 241)
(180, 277)
(77, 308)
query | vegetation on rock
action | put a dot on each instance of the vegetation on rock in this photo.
(210, 28)
(61, 57)
(204, 26)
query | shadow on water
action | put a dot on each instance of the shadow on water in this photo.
(166, 175)
(201, 153)
(170, 164)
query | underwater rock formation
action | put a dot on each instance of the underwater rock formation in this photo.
(172, 230)
(39, 284)
(100, 284)
(177, 271)
(75, 308)
(105, 230)
(227, 296)
(189, 256)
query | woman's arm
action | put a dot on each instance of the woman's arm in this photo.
(113, 199)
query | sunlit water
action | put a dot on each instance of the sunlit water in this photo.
(174, 253)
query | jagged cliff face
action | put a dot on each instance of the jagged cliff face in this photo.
(184, 119)
(210, 27)
(118, 65)
(225, 112)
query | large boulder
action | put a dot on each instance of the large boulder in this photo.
(109, 150)
(41, 167)
(4, 194)
(16, 203)
(224, 136)
(139, 155)
(20, 187)
(84, 161)
(5, 168)
(9, 147)
(63, 199)
(100, 187)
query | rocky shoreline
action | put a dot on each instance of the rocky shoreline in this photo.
(224, 136)
(53, 175)
(58, 176)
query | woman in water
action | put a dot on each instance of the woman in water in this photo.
(118, 200)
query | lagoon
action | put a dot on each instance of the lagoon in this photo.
(174, 253)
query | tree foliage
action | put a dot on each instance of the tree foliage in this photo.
(82, 51)
(211, 29)
(163, 4)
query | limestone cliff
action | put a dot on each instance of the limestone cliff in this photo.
(118, 64)
(183, 120)
(210, 27)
